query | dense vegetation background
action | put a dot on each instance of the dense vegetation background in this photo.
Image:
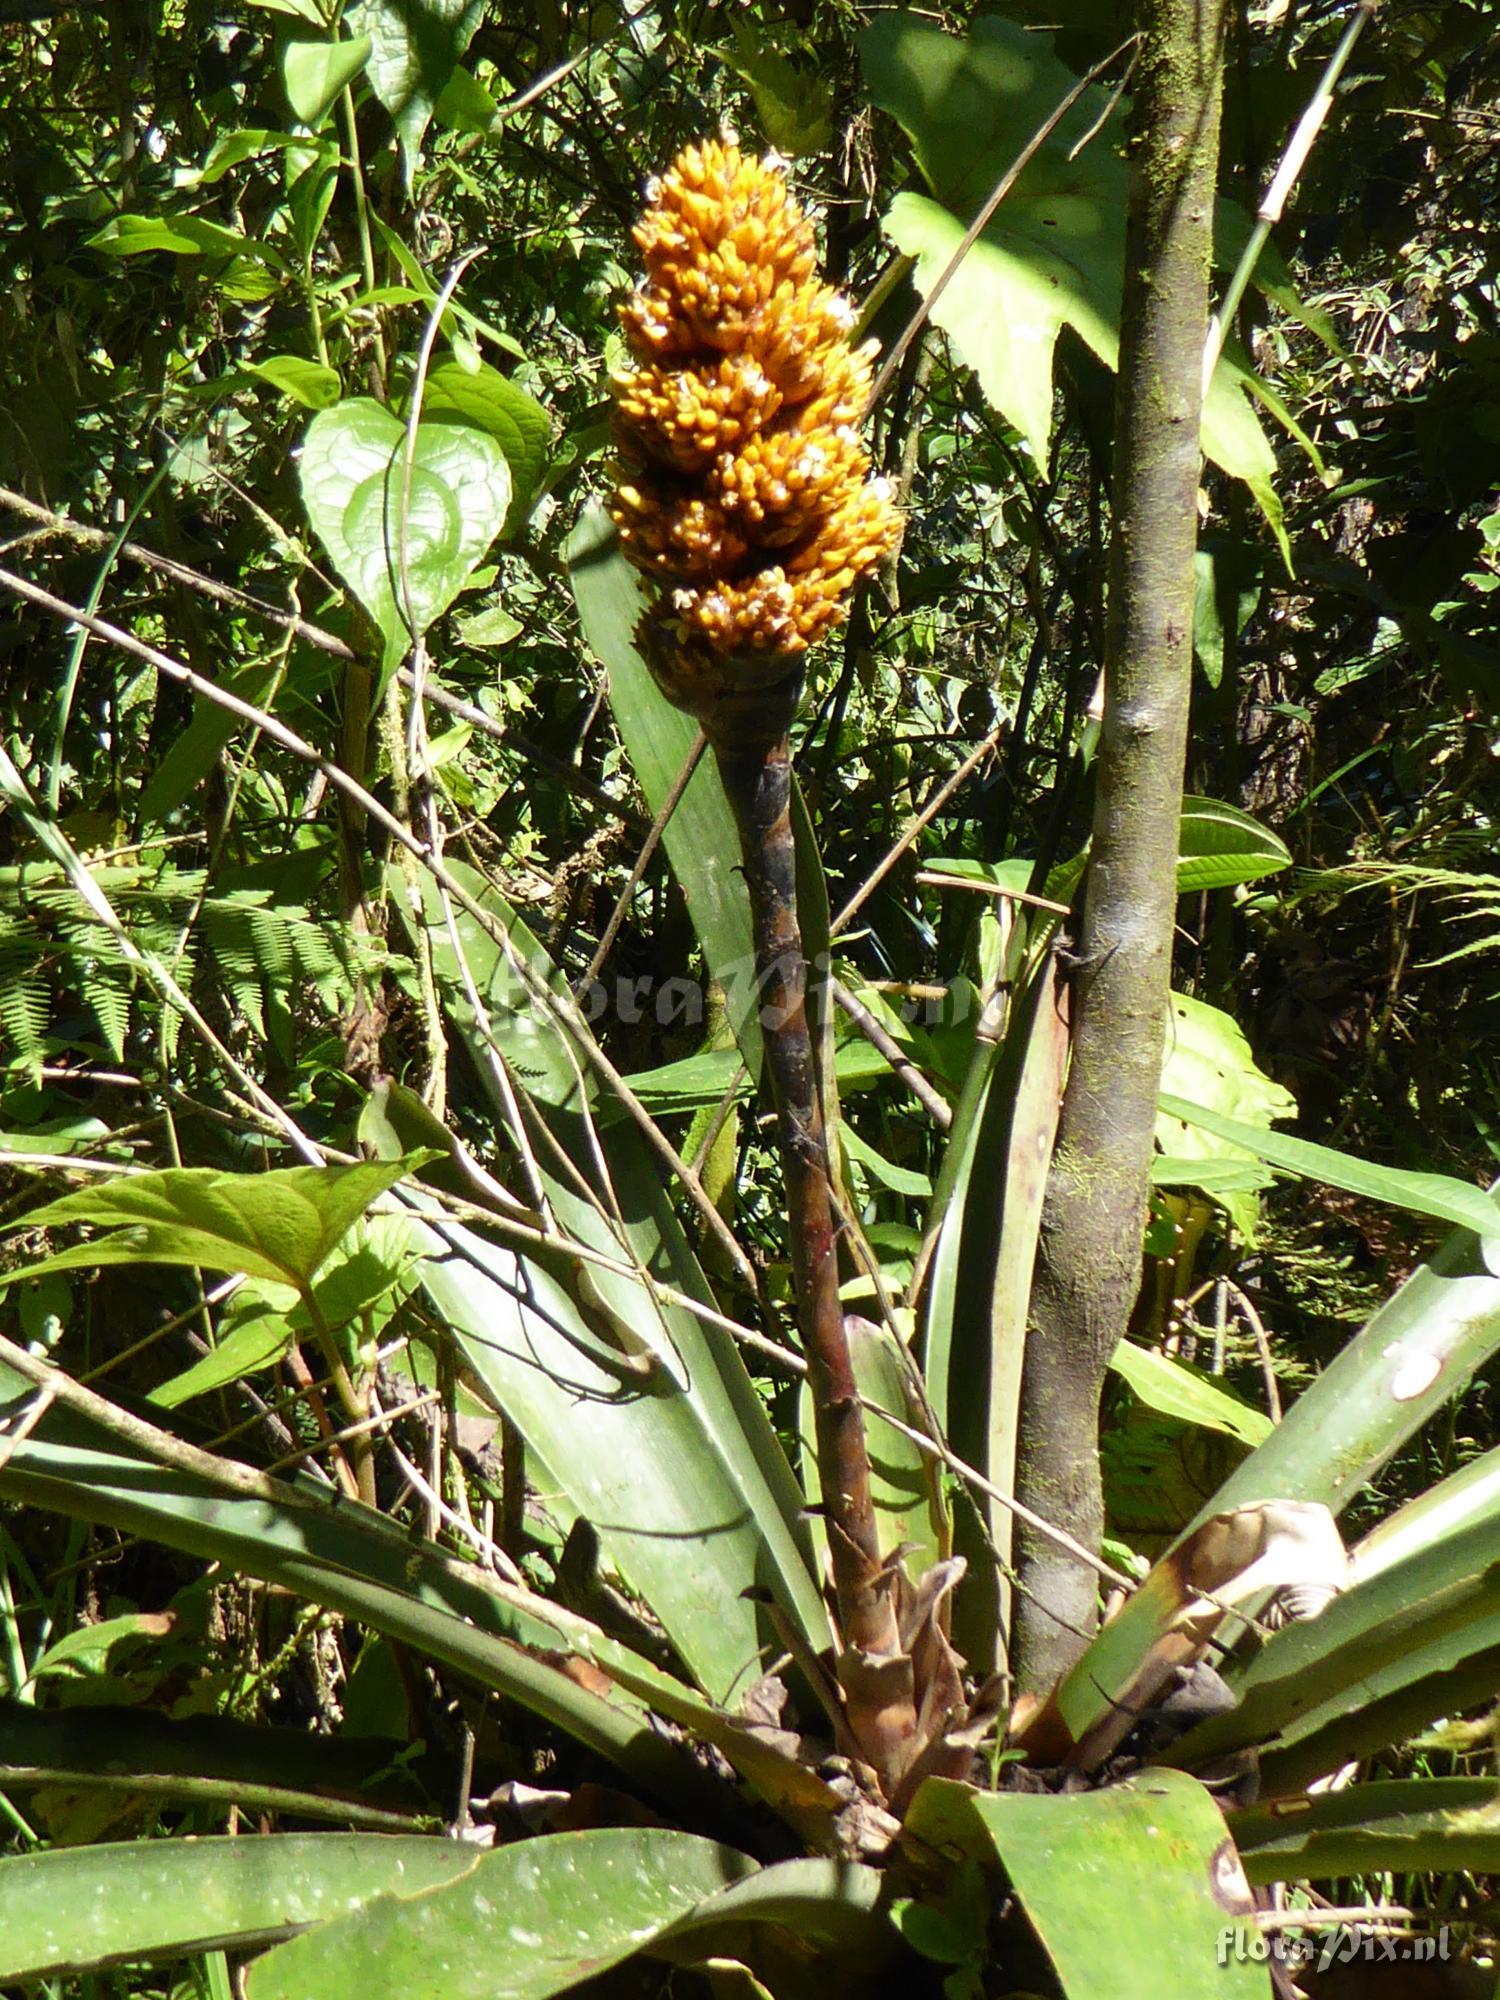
(219, 224)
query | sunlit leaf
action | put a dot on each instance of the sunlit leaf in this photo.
(354, 486)
(314, 72)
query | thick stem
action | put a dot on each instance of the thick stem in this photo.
(755, 764)
(1089, 1260)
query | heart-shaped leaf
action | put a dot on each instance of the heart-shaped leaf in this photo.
(354, 489)
(492, 403)
(314, 73)
(416, 49)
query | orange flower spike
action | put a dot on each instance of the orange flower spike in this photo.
(745, 483)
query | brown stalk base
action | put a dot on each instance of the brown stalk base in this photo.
(751, 744)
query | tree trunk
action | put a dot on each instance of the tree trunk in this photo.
(1089, 1259)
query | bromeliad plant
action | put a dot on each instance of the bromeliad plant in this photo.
(749, 1648)
(746, 494)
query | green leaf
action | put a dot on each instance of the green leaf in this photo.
(1208, 1059)
(794, 105)
(526, 1921)
(300, 10)
(353, 475)
(314, 72)
(183, 235)
(313, 384)
(1400, 1826)
(207, 1759)
(640, 1416)
(904, 1482)
(1439, 1195)
(900, 1180)
(465, 105)
(416, 46)
(72, 1908)
(1418, 1640)
(1418, 1352)
(668, 1450)
(1075, 1861)
(1218, 846)
(701, 838)
(232, 149)
(1054, 253)
(492, 403)
(1173, 1390)
(253, 1343)
(193, 754)
(281, 1225)
(337, 1554)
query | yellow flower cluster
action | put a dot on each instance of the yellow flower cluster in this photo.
(744, 486)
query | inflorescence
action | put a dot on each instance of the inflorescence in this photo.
(744, 487)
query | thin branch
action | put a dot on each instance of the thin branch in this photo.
(928, 813)
(936, 1107)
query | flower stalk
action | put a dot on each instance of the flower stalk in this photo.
(745, 495)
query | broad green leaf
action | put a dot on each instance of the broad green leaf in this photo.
(195, 751)
(1173, 1390)
(1439, 1195)
(642, 1423)
(701, 838)
(1418, 1352)
(232, 149)
(281, 1225)
(465, 105)
(642, 1412)
(183, 235)
(310, 11)
(1076, 1861)
(492, 403)
(833, 1901)
(900, 1180)
(702, 1079)
(72, 1908)
(86, 1649)
(525, 1921)
(1208, 1060)
(353, 486)
(1401, 1826)
(794, 104)
(1169, 1170)
(313, 384)
(416, 46)
(904, 1481)
(314, 72)
(209, 1760)
(987, 1208)
(1218, 845)
(1468, 1495)
(335, 1553)
(1418, 1640)
(1053, 255)
(252, 1344)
